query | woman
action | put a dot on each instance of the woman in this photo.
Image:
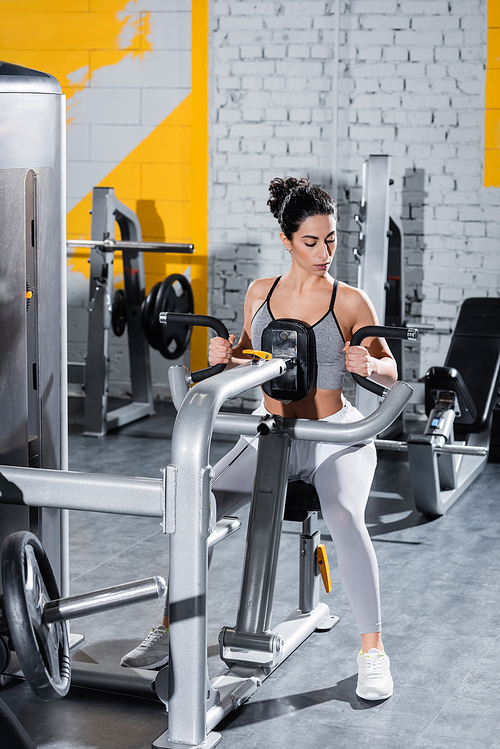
(342, 475)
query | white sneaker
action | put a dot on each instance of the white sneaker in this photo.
(153, 652)
(374, 676)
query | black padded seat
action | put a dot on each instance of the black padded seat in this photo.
(301, 499)
(475, 351)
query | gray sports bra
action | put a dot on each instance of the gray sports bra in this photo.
(329, 341)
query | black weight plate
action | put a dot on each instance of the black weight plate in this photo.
(4, 655)
(28, 583)
(119, 313)
(148, 315)
(172, 340)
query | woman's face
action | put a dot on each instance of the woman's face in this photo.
(313, 244)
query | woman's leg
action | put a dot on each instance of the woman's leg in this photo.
(343, 484)
(233, 478)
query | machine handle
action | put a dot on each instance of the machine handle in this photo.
(204, 321)
(379, 331)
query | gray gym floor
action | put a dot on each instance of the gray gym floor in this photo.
(440, 585)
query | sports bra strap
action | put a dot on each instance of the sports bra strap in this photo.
(334, 294)
(272, 288)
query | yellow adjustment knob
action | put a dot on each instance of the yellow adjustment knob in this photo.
(29, 294)
(324, 567)
(259, 354)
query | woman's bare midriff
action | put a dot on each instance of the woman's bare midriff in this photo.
(317, 405)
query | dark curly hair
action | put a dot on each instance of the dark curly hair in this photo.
(294, 200)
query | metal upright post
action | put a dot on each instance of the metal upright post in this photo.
(101, 290)
(106, 209)
(309, 573)
(188, 516)
(135, 289)
(372, 269)
(264, 528)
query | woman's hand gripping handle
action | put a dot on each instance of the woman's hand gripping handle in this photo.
(220, 350)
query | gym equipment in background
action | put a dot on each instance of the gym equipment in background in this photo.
(380, 257)
(460, 402)
(33, 392)
(122, 309)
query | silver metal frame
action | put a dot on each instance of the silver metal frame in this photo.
(196, 704)
(442, 469)
(373, 251)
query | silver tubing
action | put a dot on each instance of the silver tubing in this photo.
(64, 519)
(177, 379)
(237, 424)
(357, 431)
(440, 449)
(323, 431)
(462, 450)
(223, 528)
(104, 600)
(393, 445)
(188, 545)
(44, 487)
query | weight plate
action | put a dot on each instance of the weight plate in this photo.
(148, 315)
(4, 655)
(28, 583)
(119, 313)
(174, 294)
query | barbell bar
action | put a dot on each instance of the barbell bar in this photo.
(111, 244)
(74, 607)
(440, 449)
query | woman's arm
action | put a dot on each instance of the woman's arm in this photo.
(374, 358)
(222, 351)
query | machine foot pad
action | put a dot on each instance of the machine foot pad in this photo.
(327, 624)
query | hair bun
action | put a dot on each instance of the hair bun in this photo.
(294, 200)
(280, 189)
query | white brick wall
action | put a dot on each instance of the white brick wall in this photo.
(410, 85)
(435, 52)
(271, 115)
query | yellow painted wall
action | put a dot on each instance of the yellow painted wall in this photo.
(164, 178)
(492, 112)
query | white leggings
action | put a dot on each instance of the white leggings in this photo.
(342, 476)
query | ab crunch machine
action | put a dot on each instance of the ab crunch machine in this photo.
(251, 650)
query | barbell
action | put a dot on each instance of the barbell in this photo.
(33, 616)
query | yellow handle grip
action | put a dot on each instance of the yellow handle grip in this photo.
(260, 354)
(324, 567)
